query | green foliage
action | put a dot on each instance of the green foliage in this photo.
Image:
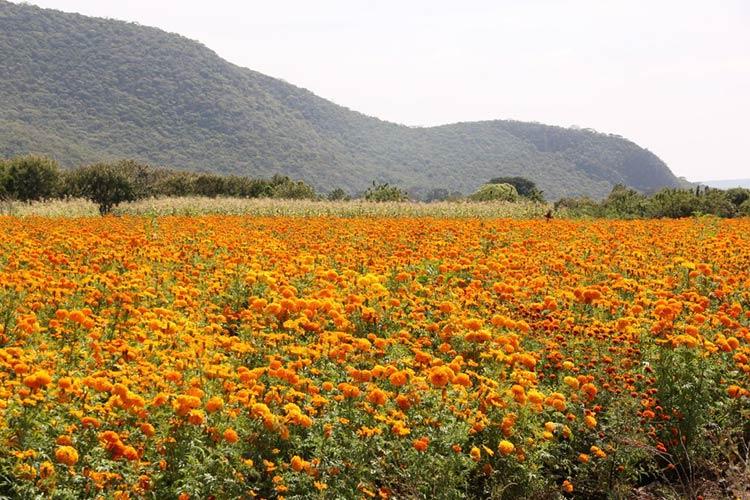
(105, 184)
(495, 192)
(3, 169)
(626, 203)
(209, 185)
(738, 196)
(579, 207)
(30, 177)
(525, 187)
(744, 209)
(384, 192)
(293, 190)
(338, 194)
(84, 90)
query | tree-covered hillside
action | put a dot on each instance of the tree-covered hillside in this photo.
(82, 89)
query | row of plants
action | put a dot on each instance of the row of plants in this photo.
(627, 203)
(31, 178)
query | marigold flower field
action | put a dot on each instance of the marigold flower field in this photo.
(310, 357)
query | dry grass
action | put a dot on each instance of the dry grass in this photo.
(271, 207)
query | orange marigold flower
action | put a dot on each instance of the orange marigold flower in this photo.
(567, 486)
(230, 435)
(196, 417)
(214, 404)
(377, 397)
(421, 443)
(440, 376)
(398, 378)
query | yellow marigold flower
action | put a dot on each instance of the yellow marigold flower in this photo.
(46, 469)
(66, 455)
(298, 464)
(571, 382)
(590, 421)
(37, 379)
(506, 447)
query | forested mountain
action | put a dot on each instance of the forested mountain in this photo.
(83, 89)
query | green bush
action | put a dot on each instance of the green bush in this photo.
(105, 184)
(210, 185)
(31, 177)
(3, 168)
(385, 192)
(625, 203)
(525, 187)
(579, 207)
(338, 194)
(738, 196)
(673, 203)
(716, 202)
(495, 192)
(293, 190)
(744, 210)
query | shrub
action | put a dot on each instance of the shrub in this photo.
(673, 203)
(495, 192)
(293, 190)
(737, 196)
(716, 202)
(579, 207)
(31, 178)
(338, 194)
(525, 187)
(385, 192)
(624, 202)
(745, 209)
(210, 185)
(3, 191)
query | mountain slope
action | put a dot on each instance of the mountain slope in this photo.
(83, 89)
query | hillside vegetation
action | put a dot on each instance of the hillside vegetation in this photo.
(82, 90)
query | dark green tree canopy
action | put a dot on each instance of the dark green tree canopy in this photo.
(105, 184)
(30, 177)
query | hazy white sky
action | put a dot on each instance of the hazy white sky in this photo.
(671, 75)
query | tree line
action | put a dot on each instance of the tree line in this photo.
(626, 203)
(31, 178)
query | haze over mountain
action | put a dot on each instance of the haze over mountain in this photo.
(83, 89)
(727, 183)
